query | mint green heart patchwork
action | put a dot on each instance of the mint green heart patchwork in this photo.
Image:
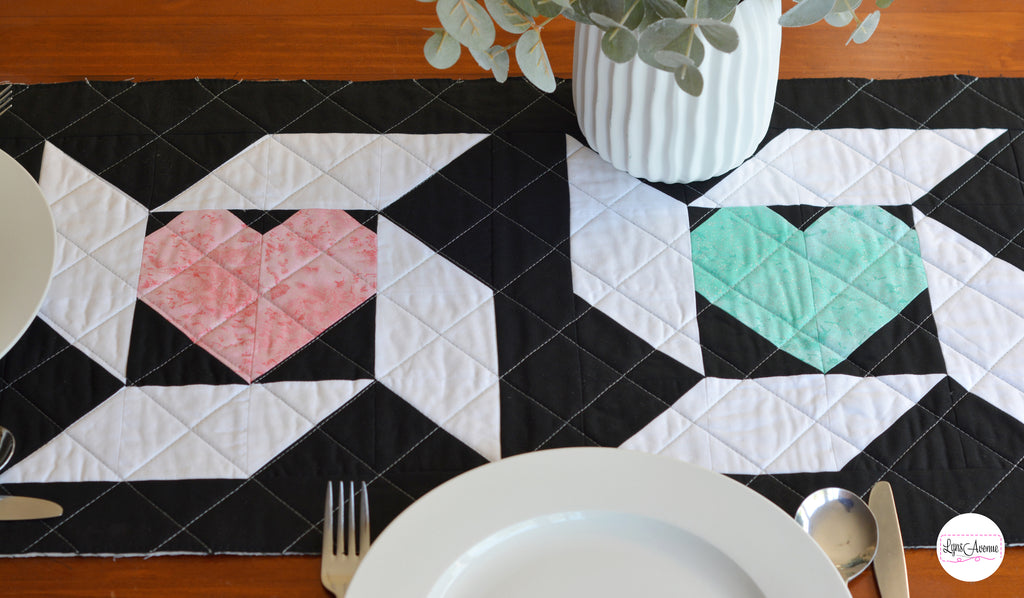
(816, 294)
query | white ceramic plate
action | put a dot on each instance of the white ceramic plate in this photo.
(27, 240)
(594, 523)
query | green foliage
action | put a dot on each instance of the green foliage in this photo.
(667, 34)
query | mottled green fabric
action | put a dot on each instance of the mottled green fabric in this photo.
(816, 294)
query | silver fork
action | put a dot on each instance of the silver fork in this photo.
(6, 94)
(342, 552)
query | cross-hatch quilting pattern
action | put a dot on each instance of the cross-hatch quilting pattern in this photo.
(657, 350)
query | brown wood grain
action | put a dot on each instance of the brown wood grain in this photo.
(61, 40)
(299, 577)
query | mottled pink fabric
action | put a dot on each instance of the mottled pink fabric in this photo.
(252, 300)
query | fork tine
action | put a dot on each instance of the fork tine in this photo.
(343, 521)
(364, 524)
(328, 542)
(350, 510)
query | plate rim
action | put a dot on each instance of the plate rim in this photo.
(577, 479)
(29, 197)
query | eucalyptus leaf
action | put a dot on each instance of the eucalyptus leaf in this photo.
(710, 9)
(603, 21)
(482, 58)
(661, 35)
(576, 13)
(619, 44)
(863, 31)
(839, 18)
(533, 60)
(689, 79)
(442, 50)
(721, 36)
(846, 5)
(673, 60)
(625, 13)
(529, 7)
(508, 16)
(668, 9)
(650, 17)
(878, 3)
(563, 3)
(467, 22)
(549, 8)
(499, 63)
(807, 12)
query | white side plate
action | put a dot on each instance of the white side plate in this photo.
(594, 523)
(27, 241)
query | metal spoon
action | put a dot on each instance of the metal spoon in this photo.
(6, 446)
(843, 525)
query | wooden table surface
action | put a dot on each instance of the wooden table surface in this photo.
(62, 40)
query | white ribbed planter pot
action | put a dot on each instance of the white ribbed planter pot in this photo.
(637, 118)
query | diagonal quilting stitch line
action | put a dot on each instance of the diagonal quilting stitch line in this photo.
(313, 107)
(945, 202)
(188, 430)
(319, 339)
(847, 101)
(316, 428)
(88, 351)
(51, 421)
(168, 130)
(64, 519)
(439, 333)
(942, 418)
(326, 173)
(208, 171)
(68, 517)
(13, 381)
(878, 163)
(512, 299)
(779, 104)
(975, 91)
(986, 495)
(797, 330)
(71, 242)
(433, 99)
(106, 101)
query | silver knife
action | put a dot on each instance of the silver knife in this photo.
(890, 562)
(17, 508)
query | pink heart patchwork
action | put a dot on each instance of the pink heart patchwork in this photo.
(253, 299)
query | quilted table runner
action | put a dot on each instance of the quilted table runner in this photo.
(260, 287)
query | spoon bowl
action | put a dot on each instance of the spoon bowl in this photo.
(6, 446)
(843, 525)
